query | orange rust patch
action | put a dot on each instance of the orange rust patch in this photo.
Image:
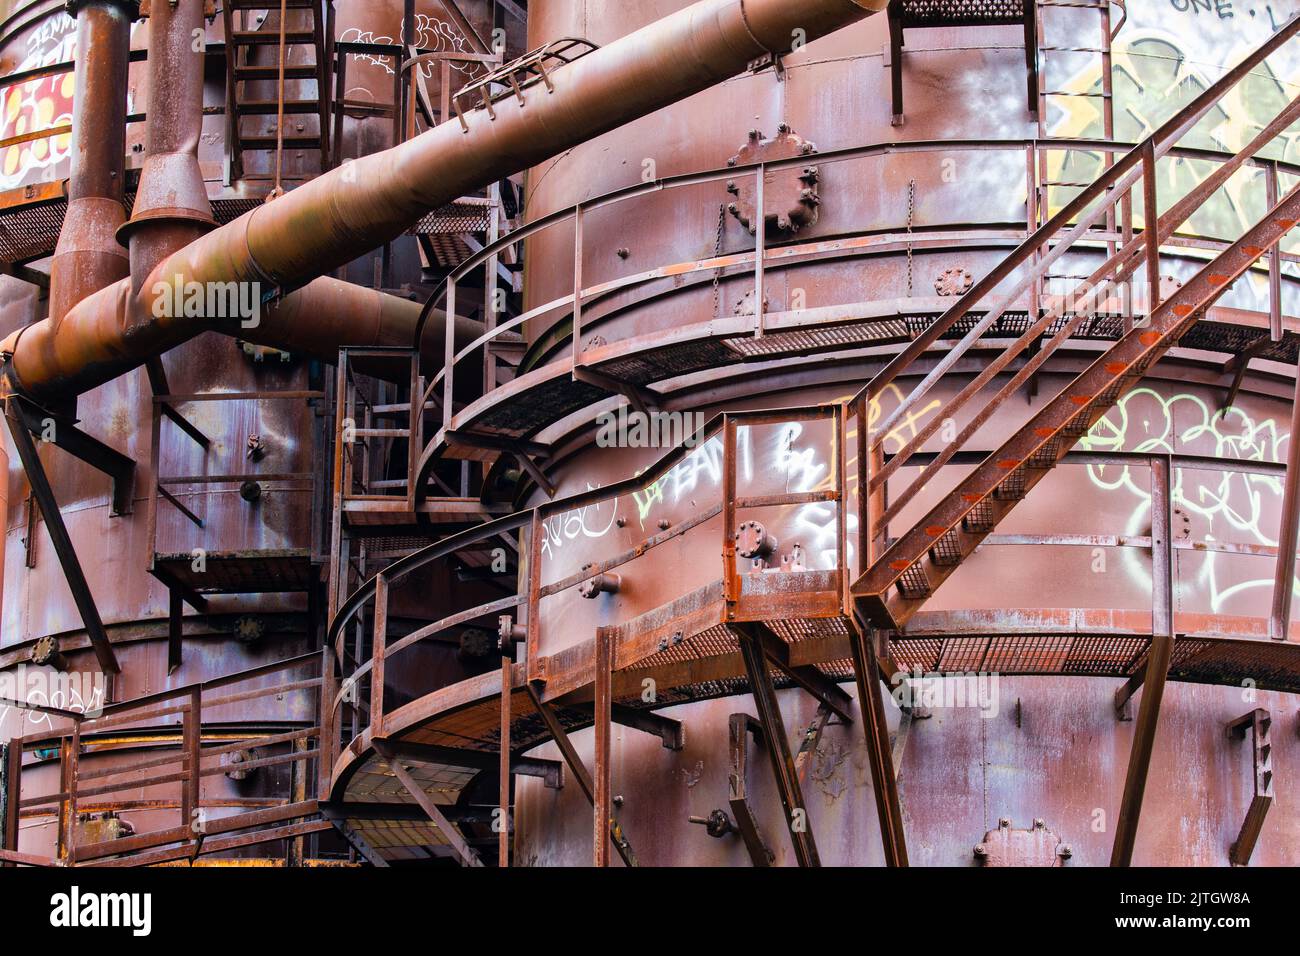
(900, 565)
(1218, 278)
(936, 531)
(1253, 251)
(1116, 368)
(1008, 464)
(1044, 432)
(971, 498)
(1182, 311)
(1149, 338)
(1081, 399)
(1286, 223)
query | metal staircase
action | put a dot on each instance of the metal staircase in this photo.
(300, 25)
(902, 578)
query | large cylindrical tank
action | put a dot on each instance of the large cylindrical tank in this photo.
(951, 200)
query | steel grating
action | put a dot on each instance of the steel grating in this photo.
(951, 13)
(238, 572)
(453, 219)
(800, 341)
(550, 402)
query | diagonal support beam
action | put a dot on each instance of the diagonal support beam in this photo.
(355, 839)
(578, 770)
(76, 578)
(671, 732)
(454, 837)
(828, 693)
(875, 730)
(62, 432)
(778, 746)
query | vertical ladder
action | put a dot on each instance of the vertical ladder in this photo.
(248, 76)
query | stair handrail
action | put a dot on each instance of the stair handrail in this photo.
(1119, 178)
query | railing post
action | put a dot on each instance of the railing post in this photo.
(1151, 226)
(449, 353)
(1274, 258)
(193, 739)
(378, 643)
(842, 504)
(578, 215)
(338, 570)
(1279, 620)
(74, 759)
(537, 529)
(328, 729)
(729, 515)
(760, 246)
(13, 756)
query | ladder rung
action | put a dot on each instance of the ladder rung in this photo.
(272, 38)
(271, 107)
(268, 141)
(1072, 49)
(1082, 4)
(249, 73)
(1104, 96)
(271, 4)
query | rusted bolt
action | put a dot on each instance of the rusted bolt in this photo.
(981, 850)
(250, 491)
(621, 521)
(256, 448)
(623, 253)
(664, 524)
(1065, 851)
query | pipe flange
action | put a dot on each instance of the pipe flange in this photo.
(130, 8)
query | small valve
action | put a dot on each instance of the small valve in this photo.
(598, 584)
(509, 635)
(754, 541)
(717, 824)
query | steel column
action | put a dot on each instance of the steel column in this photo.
(1158, 657)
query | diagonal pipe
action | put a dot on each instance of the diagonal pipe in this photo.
(328, 222)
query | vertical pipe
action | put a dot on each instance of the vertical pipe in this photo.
(88, 257)
(171, 206)
(1162, 645)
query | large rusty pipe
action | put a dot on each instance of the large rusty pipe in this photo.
(171, 204)
(348, 211)
(88, 256)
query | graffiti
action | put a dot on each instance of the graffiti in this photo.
(40, 104)
(431, 35)
(1161, 62)
(787, 457)
(1232, 506)
(79, 692)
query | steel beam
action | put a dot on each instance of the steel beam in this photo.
(579, 771)
(778, 746)
(454, 837)
(45, 499)
(1259, 722)
(1279, 620)
(738, 729)
(1158, 657)
(828, 693)
(602, 808)
(62, 432)
(875, 730)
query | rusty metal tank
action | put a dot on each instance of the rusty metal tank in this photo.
(1031, 772)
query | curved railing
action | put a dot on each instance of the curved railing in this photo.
(439, 388)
